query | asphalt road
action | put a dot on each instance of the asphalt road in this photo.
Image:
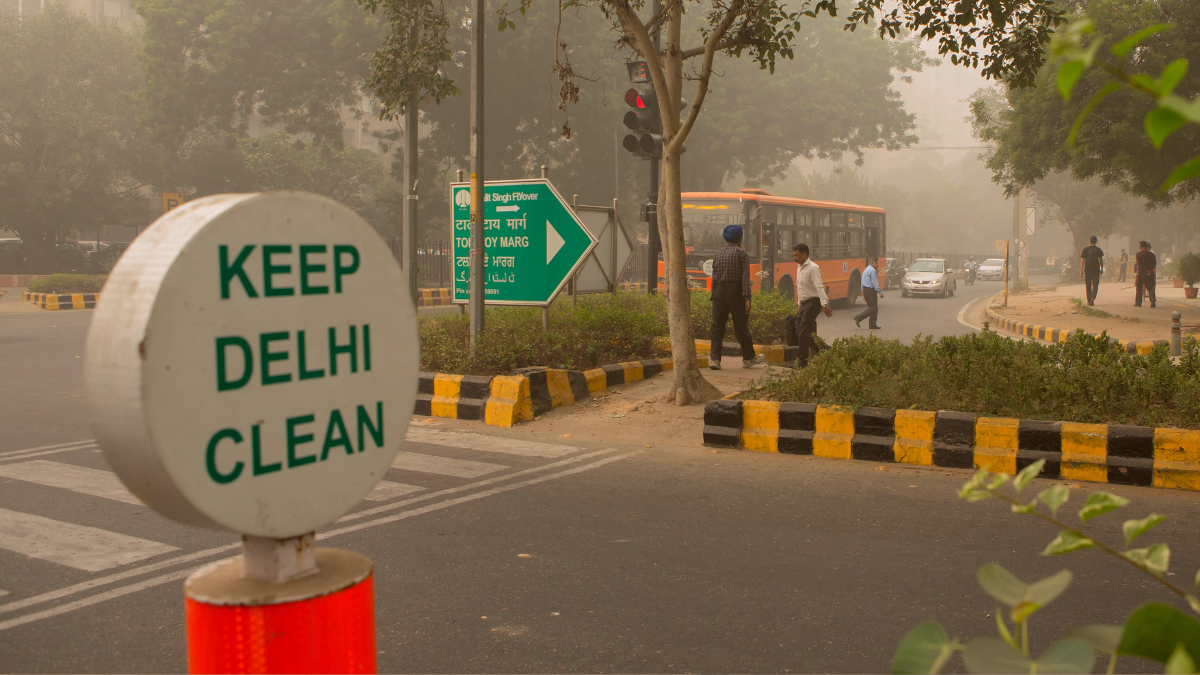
(549, 554)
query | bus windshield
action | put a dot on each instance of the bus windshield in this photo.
(704, 219)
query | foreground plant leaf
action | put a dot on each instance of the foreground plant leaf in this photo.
(1071, 655)
(1155, 629)
(993, 655)
(1068, 541)
(924, 650)
(1100, 503)
(1136, 528)
(1101, 637)
(1054, 497)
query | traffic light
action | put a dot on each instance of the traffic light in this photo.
(643, 121)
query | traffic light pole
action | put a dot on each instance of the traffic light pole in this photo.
(653, 241)
(477, 253)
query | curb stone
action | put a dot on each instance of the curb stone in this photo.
(1048, 334)
(62, 300)
(1098, 453)
(505, 400)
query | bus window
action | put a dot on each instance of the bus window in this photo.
(786, 216)
(837, 219)
(703, 221)
(804, 218)
(857, 249)
(822, 219)
(785, 238)
(751, 241)
(821, 243)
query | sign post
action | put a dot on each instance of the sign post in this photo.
(533, 242)
(235, 381)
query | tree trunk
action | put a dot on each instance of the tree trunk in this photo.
(689, 386)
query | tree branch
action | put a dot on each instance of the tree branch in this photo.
(710, 51)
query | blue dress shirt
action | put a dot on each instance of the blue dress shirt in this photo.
(870, 279)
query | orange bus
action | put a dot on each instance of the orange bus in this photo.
(840, 237)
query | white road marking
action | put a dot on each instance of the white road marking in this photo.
(468, 441)
(962, 313)
(60, 447)
(445, 466)
(85, 548)
(81, 479)
(387, 489)
(97, 582)
(181, 574)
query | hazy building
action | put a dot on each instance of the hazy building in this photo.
(120, 11)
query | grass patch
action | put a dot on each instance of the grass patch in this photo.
(601, 329)
(1088, 311)
(68, 283)
(1085, 379)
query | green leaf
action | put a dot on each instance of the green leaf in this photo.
(975, 483)
(1171, 75)
(1087, 110)
(1041, 593)
(924, 650)
(1071, 655)
(996, 482)
(1100, 503)
(1146, 82)
(1122, 48)
(993, 655)
(1182, 172)
(1055, 497)
(1068, 74)
(1160, 123)
(1103, 638)
(977, 495)
(1193, 602)
(1027, 474)
(1136, 528)
(1180, 662)
(1155, 559)
(1155, 629)
(1066, 542)
(1045, 591)
(1001, 584)
(1025, 508)
(1197, 580)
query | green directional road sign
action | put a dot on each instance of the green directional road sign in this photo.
(533, 242)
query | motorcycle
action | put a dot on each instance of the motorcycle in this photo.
(969, 273)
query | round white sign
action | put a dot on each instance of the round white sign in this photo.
(253, 364)
(708, 267)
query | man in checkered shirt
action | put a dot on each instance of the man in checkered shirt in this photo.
(731, 297)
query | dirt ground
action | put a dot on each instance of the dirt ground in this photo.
(638, 412)
(1114, 312)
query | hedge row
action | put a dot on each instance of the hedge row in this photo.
(1085, 379)
(68, 283)
(599, 329)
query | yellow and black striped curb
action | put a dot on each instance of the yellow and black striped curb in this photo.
(1100, 453)
(505, 400)
(435, 297)
(1048, 334)
(61, 300)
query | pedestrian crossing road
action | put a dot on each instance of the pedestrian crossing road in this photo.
(72, 535)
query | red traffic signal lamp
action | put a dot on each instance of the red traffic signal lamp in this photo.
(643, 121)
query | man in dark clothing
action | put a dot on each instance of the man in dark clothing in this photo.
(731, 297)
(1144, 266)
(1124, 260)
(1091, 266)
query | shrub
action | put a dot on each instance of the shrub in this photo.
(68, 283)
(602, 329)
(1085, 379)
(1189, 268)
(769, 312)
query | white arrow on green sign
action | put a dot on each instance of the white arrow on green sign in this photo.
(533, 242)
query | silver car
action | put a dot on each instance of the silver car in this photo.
(929, 276)
(992, 269)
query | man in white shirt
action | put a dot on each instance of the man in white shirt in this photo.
(810, 300)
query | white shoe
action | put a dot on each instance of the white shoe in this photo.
(750, 363)
(714, 364)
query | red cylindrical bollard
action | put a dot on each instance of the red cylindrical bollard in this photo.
(323, 623)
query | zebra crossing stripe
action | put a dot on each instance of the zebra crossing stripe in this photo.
(81, 479)
(59, 447)
(445, 466)
(84, 548)
(387, 489)
(468, 441)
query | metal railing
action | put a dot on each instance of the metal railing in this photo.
(434, 262)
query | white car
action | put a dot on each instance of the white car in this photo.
(992, 269)
(929, 276)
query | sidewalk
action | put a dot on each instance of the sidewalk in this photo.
(11, 302)
(1051, 306)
